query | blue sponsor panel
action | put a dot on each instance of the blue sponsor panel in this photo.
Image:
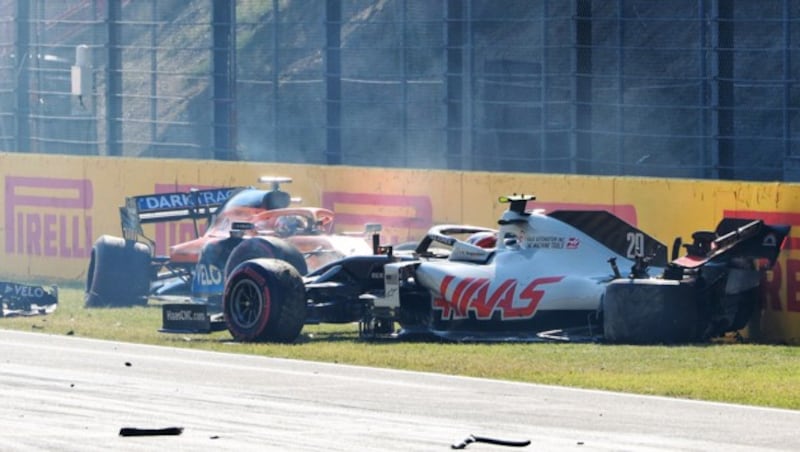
(177, 201)
(208, 280)
(16, 290)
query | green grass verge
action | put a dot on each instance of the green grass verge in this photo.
(764, 375)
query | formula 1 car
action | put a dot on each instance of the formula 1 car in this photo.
(243, 223)
(540, 276)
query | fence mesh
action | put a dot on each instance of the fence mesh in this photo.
(686, 88)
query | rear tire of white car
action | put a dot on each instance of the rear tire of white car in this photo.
(118, 274)
(650, 311)
(264, 301)
(265, 247)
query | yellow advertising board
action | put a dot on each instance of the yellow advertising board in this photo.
(54, 207)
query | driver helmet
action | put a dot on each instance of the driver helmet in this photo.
(483, 239)
(290, 225)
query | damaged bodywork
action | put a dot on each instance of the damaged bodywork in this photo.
(538, 276)
(19, 299)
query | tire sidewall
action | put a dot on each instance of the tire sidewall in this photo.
(119, 273)
(647, 311)
(240, 277)
(281, 294)
(264, 247)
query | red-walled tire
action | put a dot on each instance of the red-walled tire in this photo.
(264, 301)
(265, 247)
(118, 274)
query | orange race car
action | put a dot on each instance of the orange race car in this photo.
(243, 223)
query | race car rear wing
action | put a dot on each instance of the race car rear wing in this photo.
(165, 207)
(734, 237)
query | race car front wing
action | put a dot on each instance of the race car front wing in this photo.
(17, 299)
(190, 318)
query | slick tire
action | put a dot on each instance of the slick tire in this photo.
(265, 247)
(264, 301)
(650, 311)
(118, 273)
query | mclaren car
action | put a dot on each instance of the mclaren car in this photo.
(231, 225)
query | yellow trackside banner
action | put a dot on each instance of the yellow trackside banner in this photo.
(54, 207)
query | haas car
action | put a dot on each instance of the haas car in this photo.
(242, 223)
(539, 276)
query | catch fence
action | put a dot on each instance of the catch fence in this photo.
(685, 88)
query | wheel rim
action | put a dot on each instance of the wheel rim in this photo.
(247, 304)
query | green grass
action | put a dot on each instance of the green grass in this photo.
(764, 375)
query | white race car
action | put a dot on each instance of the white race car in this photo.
(538, 276)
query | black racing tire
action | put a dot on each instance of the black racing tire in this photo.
(265, 247)
(650, 311)
(264, 301)
(747, 304)
(118, 274)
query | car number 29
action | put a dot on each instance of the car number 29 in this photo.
(635, 245)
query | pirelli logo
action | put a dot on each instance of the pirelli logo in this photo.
(48, 217)
(402, 216)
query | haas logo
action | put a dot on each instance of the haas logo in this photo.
(459, 297)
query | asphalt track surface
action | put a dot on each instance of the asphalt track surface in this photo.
(67, 393)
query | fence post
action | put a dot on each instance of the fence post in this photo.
(787, 77)
(114, 80)
(153, 74)
(272, 154)
(333, 82)
(704, 170)
(454, 82)
(224, 41)
(582, 155)
(722, 90)
(23, 16)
